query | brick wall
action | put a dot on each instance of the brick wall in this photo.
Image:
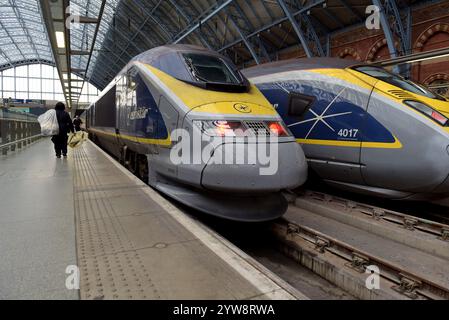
(430, 31)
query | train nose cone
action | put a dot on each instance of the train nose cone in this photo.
(271, 168)
(443, 188)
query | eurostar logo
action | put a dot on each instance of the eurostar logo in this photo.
(242, 108)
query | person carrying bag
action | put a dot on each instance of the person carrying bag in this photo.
(57, 123)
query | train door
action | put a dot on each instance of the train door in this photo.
(327, 119)
(382, 150)
(169, 120)
(127, 103)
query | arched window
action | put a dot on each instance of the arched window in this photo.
(39, 82)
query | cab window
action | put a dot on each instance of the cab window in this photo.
(299, 104)
(398, 81)
(206, 68)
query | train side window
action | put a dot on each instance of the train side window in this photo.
(131, 79)
(299, 104)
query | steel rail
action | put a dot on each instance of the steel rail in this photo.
(408, 283)
(409, 222)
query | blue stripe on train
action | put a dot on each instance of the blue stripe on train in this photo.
(342, 116)
(149, 122)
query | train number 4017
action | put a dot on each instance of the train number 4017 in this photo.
(348, 133)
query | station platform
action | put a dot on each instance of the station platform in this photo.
(128, 241)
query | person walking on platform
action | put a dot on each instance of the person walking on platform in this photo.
(65, 125)
(77, 122)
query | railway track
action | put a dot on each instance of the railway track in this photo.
(349, 243)
(407, 221)
(344, 264)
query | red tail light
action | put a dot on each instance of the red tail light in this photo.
(277, 129)
(428, 111)
(439, 117)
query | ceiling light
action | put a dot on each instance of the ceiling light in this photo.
(60, 41)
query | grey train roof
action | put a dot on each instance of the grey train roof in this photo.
(153, 55)
(299, 64)
(168, 59)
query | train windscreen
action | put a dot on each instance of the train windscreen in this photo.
(398, 81)
(211, 69)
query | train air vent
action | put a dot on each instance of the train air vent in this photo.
(258, 128)
(401, 94)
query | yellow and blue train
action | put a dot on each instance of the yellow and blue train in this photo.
(195, 91)
(362, 128)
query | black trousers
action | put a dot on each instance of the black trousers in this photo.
(60, 142)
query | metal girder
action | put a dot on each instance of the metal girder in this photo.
(20, 19)
(334, 18)
(224, 21)
(274, 23)
(144, 35)
(6, 58)
(264, 5)
(85, 20)
(353, 12)
(308, 37)
(112, 69)
(397, 30)
(107, 63)
(109, 50)
(389, 11)
(166, 19)
(243, 26)
(54, 16)
(25, 62)
(12, 40)
(195, 25)
(117, 32)
(262, 48)
(149, 17)
(79, 52)
(92, 47)
(253, 11)
(245, 40)
(190, 17)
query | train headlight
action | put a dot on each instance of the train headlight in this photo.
(235, 128)
(223, 128)
(428, 111)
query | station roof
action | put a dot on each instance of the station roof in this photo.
(23, 37)
(108, 34)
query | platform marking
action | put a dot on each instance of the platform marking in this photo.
(269, 284)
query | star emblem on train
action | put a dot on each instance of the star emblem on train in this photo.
(242, 108)
(322, 117)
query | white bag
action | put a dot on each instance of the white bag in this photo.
(49, 123)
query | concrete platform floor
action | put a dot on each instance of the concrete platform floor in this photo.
(37, 224)
(127, 240)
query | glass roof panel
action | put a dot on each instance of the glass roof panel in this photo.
(23, 35)
(105, 24)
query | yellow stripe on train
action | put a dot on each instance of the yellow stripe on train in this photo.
(358, 144)
(162, 142)
(215, 101)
